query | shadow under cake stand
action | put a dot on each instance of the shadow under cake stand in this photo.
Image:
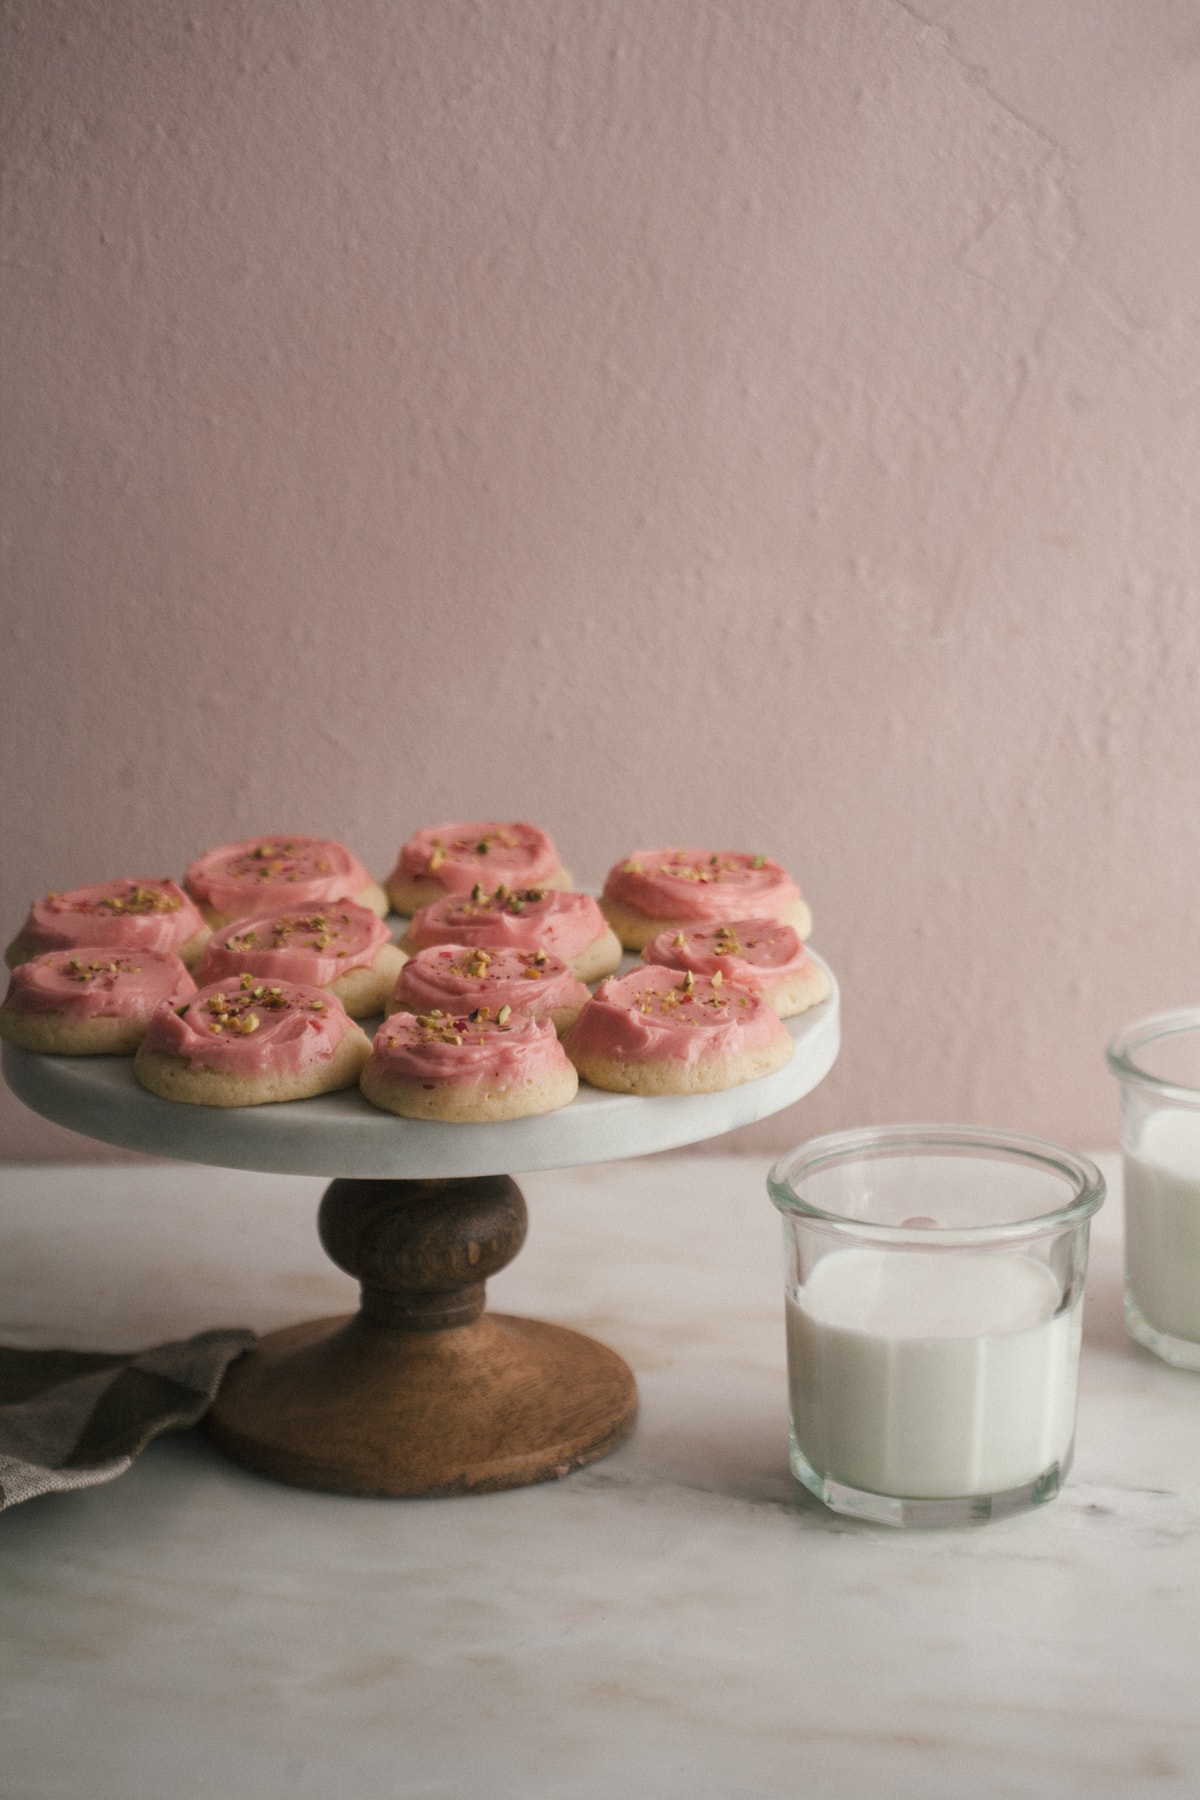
(422, 1392)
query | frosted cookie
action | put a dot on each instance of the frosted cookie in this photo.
(343, 947)
(654, 889)
(117, 916)
(760, 954)
(570, 926)
(88, 1002)
(452, 979)
(468, 1070)
(262, 875)
(451, 859)
(655, 1031)
(247, 1043)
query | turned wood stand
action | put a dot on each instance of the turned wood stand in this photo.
(422, 1392)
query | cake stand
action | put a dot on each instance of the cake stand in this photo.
(422, 1392)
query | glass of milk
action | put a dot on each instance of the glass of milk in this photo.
(1157, 1063)
(934, 1295)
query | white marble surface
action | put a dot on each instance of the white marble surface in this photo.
(677, 1620)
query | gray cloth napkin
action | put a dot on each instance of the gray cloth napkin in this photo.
(75, 1418)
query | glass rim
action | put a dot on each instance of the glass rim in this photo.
(867, 1143)
(1122, 1050)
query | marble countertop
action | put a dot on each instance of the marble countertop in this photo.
(680, 1619)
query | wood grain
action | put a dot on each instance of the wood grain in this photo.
(422, 1393)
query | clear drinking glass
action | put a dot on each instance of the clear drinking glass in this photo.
(934, 1296)
(1157, 1063)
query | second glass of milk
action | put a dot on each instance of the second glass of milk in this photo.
(934, 1295)
(1158, 1065)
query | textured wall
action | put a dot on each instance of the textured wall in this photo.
(757, 422)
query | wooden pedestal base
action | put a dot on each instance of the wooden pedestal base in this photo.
(422, 1393)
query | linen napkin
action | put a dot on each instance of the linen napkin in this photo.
(76, 1418)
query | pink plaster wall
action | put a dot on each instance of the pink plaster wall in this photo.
(771, 423)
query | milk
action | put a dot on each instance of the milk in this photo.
(1162, 1223)
(932, 1374)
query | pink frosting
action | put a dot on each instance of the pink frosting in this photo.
(565, 924)
(701, 884)
(754, 953)
(91, 983)
(296, 1025)
(457, 980)
(457, 856)
(133, 914)
(257, 875)
(437, 1049)
(314, 946)
(657, 1014)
